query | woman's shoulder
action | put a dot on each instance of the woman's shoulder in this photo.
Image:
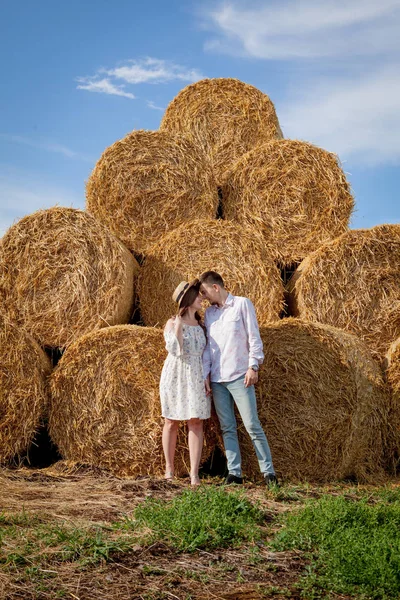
(169, 324)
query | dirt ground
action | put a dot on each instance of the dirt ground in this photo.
(82, 496)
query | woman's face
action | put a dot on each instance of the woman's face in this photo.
(197, 304)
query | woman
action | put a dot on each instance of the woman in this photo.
(182, 391)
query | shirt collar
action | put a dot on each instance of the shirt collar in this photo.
(230, 300)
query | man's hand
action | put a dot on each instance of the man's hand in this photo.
(250, 378)
(207, 385)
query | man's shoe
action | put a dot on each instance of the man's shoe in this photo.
(271, 480)
(233, 479)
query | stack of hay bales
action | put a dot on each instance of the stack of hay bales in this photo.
(215, 188)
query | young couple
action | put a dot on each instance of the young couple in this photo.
(221, 356)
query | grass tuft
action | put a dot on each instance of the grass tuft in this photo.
(354, 546)
(205, 518)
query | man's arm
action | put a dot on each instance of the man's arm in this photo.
(256, 354)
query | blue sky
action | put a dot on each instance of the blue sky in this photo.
(77, 76)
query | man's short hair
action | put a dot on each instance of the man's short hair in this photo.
(211, 277)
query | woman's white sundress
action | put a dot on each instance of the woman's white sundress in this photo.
(182, 390)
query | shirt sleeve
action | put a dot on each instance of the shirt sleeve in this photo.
(206, 353)
(172, 343)
(256, 354)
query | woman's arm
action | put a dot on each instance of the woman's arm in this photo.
(173, 334)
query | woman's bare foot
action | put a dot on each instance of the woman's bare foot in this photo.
(169, 475)
(194, 480)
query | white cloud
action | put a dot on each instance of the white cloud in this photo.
(306, 28)
(102, 86)
(134, 72)
(154, 106)
(46, 145)
(357, 118)
(23, 193)
(153, 70)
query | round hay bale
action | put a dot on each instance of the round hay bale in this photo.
(392, 364)
(225, 116)
(295, 193)
(63, 274)
(105, 407)
(393, 370)
(353, 283)
(24, 368)
(147, 183)
(323, 404)
(237, 253)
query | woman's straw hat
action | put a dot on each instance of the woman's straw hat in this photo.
(181, 290)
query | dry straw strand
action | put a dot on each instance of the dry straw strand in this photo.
(295, 193)
(352, 283)
(237, 253)
(62, 274)
(105, 407)
(24, 368)
(148, 183)
(323, 404)
(225, 116)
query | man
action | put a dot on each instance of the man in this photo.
(231, 360)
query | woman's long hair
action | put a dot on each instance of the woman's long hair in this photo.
(188, 299)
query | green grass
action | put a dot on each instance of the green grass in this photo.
(27, 542)
(354, 546)
(206, 518)
(351, 539)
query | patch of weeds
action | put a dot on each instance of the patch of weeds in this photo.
(194, 575)
(254, 556)
(34, 545)
(207, 518)
(240, 578)
(273, 590)
(19, 519)
(284, 494)
(151, 570)
(387, 494)
(354, 546)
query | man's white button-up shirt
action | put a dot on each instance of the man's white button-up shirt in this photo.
(233, 340)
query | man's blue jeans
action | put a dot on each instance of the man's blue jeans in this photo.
(225, 395)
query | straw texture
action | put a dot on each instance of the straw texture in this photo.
(148, 183)
(237, 253)
(63, 274)
(392, 364)
(353, 283)
(23, 393)
(225, 116)
(323, 404)
(295, 193)
(105, 407)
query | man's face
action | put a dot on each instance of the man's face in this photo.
(210, 292)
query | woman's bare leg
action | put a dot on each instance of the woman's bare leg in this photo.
(195, 428)
(169, 435)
